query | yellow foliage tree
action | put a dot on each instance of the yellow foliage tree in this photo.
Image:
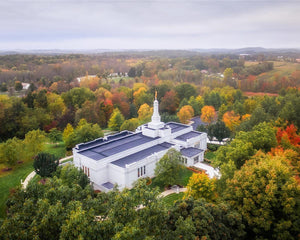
(208, 114)
(185, 114)
(231, 120)
(201, 186)
(68, 130)
(145, 113)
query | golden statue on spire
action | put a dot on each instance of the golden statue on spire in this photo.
(155, 95)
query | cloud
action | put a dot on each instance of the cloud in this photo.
(148, 24)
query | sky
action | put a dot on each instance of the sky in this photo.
(148, 24)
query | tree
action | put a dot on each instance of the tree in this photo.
(201, 186)
(116, 120)
(3, 87)
(145, 113)
(167, 168)
(67, 131)
(228, 79)
(45, 164)
(169, 103)
(219, 131)
(185, 90)
(34, 142)
(185, 114)
(18, 86)
(231, 120)
(84, 132)
(265, 192)
(12, 151)
(130, 124)
(55, 135)
(208, 114)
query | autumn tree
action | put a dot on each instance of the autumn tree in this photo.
(67, 131)
(34, 142)
(265, 192)
(208, 114)
(145, 113)
(201, 186)
(169, 102)
(116, 120)
(12, 151)
(185, 114)
(231, 120)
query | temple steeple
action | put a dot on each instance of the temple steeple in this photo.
(155, 119)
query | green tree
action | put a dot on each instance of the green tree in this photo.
(55, 135)
(18, 86)
(167, 168)
(116, 120)
(67, 131)
(130, 124)
(185, 90)
(219, 131)
(3, 87)
(34, 142)
(84, 132)
(45, 164)
(12, 151)
(267, 195)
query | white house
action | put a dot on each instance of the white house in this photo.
(124, 157)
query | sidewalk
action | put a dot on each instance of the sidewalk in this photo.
(170, 191)
(32, 174)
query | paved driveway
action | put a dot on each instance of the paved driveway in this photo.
(211, 172)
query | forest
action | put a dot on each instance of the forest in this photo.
(251, 101)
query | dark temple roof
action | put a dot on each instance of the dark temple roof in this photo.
(188, 135)
(108, 185)
(190, 152)
(175, 127)
(142, 154)
(98, 141)
(109, 148)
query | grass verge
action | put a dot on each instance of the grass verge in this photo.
(172, 198)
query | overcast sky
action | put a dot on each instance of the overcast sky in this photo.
(149, 24)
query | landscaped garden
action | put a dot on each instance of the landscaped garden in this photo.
(11, 179)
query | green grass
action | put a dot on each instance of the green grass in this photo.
(182, 179)
(11, 181)
(58, 149)
(172, 198)
(210, 155)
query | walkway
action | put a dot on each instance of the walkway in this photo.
(32, 174)
(170, 191)
(209, 170)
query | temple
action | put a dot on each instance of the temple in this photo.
(124, 157)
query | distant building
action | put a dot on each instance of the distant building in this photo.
(124, 157)
(26, 86)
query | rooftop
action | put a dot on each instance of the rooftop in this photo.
(117, 145)
(98, 141)
(175, 127)
(190, 152)
(142, 154)
(188, 135)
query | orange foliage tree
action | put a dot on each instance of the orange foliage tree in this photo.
(185, 114)
(231, 120)
(208, 114)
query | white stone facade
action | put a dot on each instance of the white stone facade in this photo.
(125, 157)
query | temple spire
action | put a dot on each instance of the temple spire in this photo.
(155, 119)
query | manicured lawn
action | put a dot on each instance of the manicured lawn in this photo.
(210, 155)
(172, 198)
(58, 149)
(12, 180)
(182, 180)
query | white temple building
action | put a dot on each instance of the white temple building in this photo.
(124, 157)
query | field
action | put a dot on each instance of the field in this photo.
(12, 179)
